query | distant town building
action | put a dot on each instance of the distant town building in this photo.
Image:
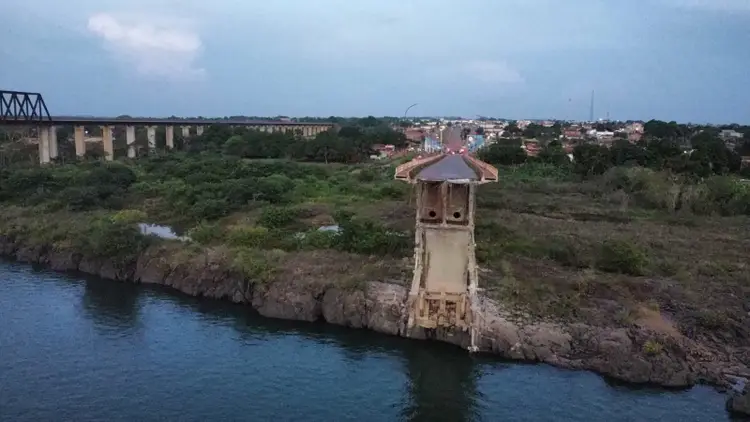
(414, 135)
(572, 133)
(729, 134)
(635, 127)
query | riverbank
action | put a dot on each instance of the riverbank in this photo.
(635, 355)
(637, 274)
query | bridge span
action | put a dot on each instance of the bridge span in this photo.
(19, 108)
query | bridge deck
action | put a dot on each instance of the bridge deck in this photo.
(71, 120)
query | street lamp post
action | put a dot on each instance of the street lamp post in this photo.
(409, 108)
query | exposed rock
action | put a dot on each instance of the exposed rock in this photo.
(29, 254)
(7, 246)
(286, 300)
(61, 260)
(344, 307)
(385, 310)
(739, 402)
(644, 353)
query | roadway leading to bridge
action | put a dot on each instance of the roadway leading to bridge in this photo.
(452, 138)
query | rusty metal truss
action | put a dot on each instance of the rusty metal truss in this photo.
(22, 107)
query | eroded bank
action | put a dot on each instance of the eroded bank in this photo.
(636, 354)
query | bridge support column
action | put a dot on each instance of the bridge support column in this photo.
(43, 137)
(109, 150)
(53, 148)
(151, 136)
(170, 137)
(185, 131)
(130, 140)
(199, 130)
(78, 134)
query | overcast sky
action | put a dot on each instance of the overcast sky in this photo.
(687, 60)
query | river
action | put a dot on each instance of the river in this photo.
(81, 349)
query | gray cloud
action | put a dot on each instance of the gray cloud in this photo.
(672, 59)
(165, 48)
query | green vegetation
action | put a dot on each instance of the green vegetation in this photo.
(598, 241)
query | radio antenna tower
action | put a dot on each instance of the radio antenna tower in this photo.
(591, 110)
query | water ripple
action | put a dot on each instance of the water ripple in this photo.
(91, 350)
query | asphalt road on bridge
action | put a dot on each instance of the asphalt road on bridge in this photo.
(452, 138)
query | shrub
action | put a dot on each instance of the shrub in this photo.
(107, 238)
(652, 347)
(367, 237)
(256, 266)
(319, 239)
(622, 257)
(567, 253)
(277, 217)
(206, 233)
(129, 216)
(248, 236)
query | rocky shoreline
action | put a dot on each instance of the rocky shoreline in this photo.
(638, 354)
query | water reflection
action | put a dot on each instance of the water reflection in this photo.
(111, 306)
(442, 379)
(114, 351)
(443, 384)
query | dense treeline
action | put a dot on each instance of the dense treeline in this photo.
(708, 155)
(349, 144)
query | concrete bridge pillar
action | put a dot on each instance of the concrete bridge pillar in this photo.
(185, 131)
(43, 137)
(109, 150)
(151, 136)
(199, 130)
(130, 140)
(170, 137)
(78, 133)
(53, 148)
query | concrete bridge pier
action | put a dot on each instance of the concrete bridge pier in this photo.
(130, 140)
(151, 136)
(53, 147)
(170, 137)
(185, 131)
(109, 150)
(78, 134)
(199, 130)
(43, 136)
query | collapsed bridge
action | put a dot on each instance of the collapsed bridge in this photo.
(444, 287)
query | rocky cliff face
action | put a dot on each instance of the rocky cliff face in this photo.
(638, 354)
(739, 402)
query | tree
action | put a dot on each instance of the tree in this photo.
(625, 153)
(512, 129)
(553, 153)
(590, 159)
(503, 154)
